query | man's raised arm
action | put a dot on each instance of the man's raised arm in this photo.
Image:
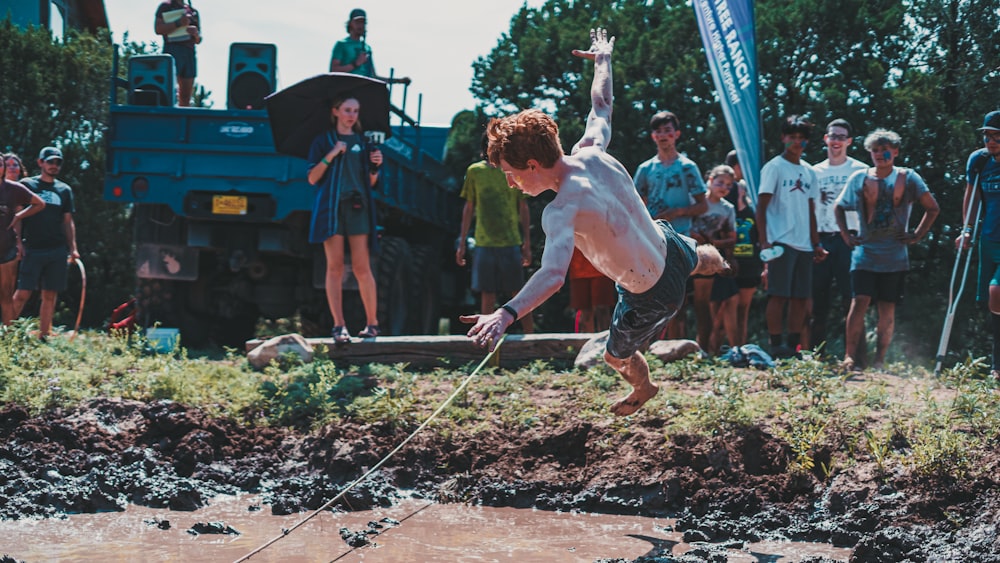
(598, 132)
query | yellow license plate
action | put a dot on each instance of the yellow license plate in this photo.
(229, 205)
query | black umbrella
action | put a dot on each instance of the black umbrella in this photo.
(302, 111)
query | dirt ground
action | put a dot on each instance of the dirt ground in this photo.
(724, 490)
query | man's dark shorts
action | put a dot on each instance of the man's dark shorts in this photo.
(353, 217)
(185, 63)
(880, 286)
(497, 269)
(790, 275)
(638, 318)
(43, 269)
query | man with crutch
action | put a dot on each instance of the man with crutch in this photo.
(982, 189)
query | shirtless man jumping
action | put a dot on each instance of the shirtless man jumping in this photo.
(596, 209)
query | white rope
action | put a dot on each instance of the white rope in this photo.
(285, 532)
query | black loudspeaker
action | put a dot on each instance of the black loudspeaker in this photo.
(251, 74)
(151, 80)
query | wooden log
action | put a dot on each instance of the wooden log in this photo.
(429, 351)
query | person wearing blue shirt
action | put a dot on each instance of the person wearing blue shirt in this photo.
(983, 182)
(883, 196)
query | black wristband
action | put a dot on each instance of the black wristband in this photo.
(509, 309)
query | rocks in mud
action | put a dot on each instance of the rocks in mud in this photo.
(309, 492)
(212, 528)
(354, 539)
(162, 524)
(734, 487)
(888, 544)
(361, 538)
(112, 452)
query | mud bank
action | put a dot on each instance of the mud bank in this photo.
(734, 488)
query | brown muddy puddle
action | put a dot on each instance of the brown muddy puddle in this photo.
(427, 532)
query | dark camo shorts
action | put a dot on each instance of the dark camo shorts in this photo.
(638, 318)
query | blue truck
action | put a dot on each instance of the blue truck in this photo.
(221, 224)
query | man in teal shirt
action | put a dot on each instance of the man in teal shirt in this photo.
(353, 54)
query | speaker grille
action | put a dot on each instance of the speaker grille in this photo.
(251, 74)
(247, 91)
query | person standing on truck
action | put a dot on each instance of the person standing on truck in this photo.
(353, 54)
(598, 210)
(49, 239)
(180, 27)
(503, 235)
(16, 203)
(345, 168)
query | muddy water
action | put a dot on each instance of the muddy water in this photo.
(427, 532)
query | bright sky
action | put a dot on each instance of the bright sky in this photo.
(434, 42)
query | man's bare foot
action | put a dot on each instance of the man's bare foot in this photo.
(634, 400)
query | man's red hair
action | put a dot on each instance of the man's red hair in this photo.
(530, 134)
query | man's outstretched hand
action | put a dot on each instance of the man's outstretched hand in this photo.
(599, 44)
(488, 329)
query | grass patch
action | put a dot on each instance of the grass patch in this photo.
(933, 425)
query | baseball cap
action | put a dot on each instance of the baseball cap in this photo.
(48, 153)
(991, 122)
(358, 13)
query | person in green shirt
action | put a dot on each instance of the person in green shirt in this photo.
(353, 54)
(503, 239)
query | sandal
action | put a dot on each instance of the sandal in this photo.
(370, 331)
(340, 335)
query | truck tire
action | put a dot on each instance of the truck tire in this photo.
(425, 290)
(392, 280)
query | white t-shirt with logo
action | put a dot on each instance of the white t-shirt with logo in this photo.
(791, 186)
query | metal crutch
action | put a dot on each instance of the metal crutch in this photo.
(953, 297)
